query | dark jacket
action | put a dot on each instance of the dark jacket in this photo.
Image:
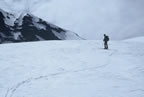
(106, 39)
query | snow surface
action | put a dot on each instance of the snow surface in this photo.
(9, 18)
(72, 69)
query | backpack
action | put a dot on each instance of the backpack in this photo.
(107, 37)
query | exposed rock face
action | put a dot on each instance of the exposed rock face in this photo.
(28, 27)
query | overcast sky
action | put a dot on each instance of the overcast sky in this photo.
(89, 18)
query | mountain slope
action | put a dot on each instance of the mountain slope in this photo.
(28, 27)
(72, 69)
(6, 21)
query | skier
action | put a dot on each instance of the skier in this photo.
(106, 39)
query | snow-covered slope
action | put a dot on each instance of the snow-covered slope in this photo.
(6, 21)
(8, 18)
(34, 28)
(136, 39)
(28, 27)
(72, 69)
(90, 19)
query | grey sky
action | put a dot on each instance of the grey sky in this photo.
(89, 18)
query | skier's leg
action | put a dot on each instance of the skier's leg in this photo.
(104, 45)
(107, 45)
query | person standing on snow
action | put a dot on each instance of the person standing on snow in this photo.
(106, 39)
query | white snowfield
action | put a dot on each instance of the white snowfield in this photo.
(72, 69)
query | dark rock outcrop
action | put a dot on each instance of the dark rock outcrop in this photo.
(28, 27)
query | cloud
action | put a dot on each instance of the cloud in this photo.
(89, 18)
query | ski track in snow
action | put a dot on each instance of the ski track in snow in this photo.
(110, 54)
(10, 92)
